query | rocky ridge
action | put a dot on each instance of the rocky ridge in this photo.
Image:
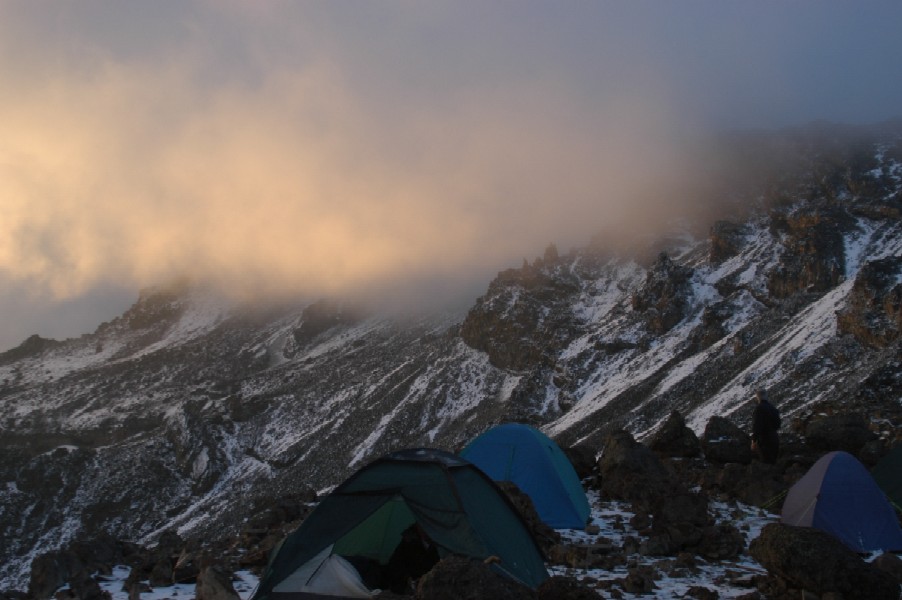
(186, 412)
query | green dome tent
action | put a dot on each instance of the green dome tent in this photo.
(460, 509)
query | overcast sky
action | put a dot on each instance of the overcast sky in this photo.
(355, 147)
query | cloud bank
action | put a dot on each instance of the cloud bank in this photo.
(299, 181)
(277, 148)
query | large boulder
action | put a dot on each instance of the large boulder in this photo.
(213, 583)
(582, 458)
(757, 483)
(544, 535)
(52, 570)
(83, 587)
(461, 578)
(848, 432)
(157, 565)
(890, 563)
(565, 588)
(814, 561)
(633, 473)
(724, 442)
(678, 520)
(721, 542)
(75, 562)
(674, 438)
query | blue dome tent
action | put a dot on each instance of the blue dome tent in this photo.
(530, 459)
(839, 496)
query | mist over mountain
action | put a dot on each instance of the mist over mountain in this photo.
(188, 408)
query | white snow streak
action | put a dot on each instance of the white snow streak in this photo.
(807, 333)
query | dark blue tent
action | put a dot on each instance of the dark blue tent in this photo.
(527, 457)
(839, 496)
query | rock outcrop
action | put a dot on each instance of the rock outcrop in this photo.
(724, 442)
(814, 257)
(848, 432)
(662, 300)
(807, 559)
(675, 439)
(459, 578)
(524, 318)
(873, 314)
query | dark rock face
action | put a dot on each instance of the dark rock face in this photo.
(675, 439)
(157, 305)
(873, 314)
(814, 260)
(724, 442)
(726, 240)
(681, 507)
(847, 431)
(322, 316)
(711, 328)
(809, 559)
(512, 323)
(157, 566)
(662, 300)
(35, 344)
(459, 578)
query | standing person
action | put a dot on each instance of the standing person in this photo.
(765, 424)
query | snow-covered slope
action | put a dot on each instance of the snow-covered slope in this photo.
(185, 410)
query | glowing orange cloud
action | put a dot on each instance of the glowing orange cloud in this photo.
(296, 184)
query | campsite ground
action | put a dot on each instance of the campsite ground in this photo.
(114, 584)
(672, 578)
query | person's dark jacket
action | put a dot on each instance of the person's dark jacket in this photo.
(765, 425)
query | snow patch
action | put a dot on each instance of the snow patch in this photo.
(802, 337)
(203, 314)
